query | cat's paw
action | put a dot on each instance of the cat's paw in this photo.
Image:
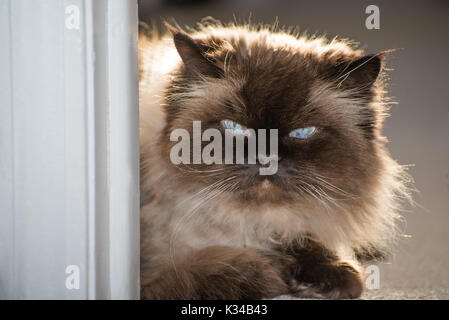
(327, 281)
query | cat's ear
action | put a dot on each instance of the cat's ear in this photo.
(361, 73)
(193, 53)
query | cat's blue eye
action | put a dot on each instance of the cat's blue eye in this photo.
(234, 127)
(302, 133)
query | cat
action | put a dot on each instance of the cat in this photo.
(223, 231)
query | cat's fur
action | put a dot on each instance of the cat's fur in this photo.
(224, 232)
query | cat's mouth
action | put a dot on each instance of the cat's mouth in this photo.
(265, 189)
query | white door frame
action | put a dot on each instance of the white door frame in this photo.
(69, 149)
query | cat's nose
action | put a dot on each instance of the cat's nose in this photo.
(265, 160)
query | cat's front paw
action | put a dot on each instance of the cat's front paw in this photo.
(327, 281)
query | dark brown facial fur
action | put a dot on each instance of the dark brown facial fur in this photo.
(277, 89)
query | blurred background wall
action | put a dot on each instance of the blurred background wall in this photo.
(418, 128)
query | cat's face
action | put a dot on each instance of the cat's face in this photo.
(326, 129)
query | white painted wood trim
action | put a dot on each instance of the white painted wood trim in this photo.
(69, 149)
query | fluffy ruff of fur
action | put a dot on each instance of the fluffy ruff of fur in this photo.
(195, 234)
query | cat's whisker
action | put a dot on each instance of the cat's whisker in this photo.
(321, 180)
(331, 186)
(327, 197)
(317, 195)
(306, 190)
(336, 191)
(190, 169)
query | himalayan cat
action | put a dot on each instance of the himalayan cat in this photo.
(223, 231)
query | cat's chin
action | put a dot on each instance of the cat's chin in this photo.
(265, 191)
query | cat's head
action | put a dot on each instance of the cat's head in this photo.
(324, 99)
